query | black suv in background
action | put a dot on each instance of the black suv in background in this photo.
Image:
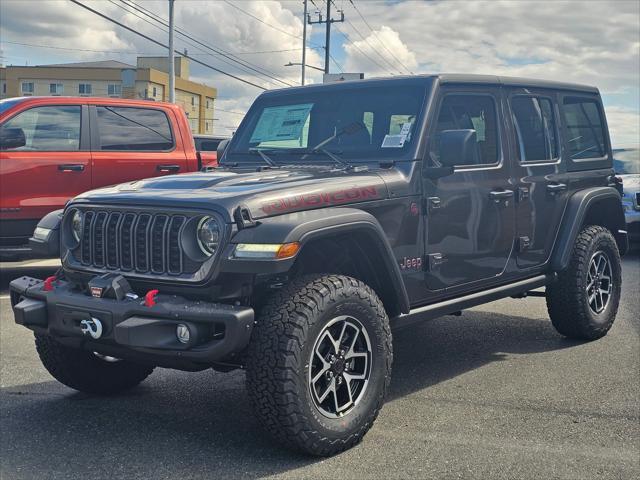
(337, 212)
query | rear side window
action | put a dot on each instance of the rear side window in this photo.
(209, 145)
(47, 129)
(137, 129)
(535, 128)
(585, 130)
(470, 112)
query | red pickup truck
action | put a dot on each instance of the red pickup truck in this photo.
(53, 148)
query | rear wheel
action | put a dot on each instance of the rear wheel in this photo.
(86, 371)
(584, 301)
(319, 363)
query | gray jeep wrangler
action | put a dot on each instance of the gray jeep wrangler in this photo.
(337, 212)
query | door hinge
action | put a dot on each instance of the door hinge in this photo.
(522, 193)
(434, 260)
(523, 243)
(431, 203)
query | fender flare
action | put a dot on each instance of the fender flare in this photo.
(578, 207)
(310, 225)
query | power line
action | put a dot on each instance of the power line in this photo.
(378, 38)
(244, 63)
(106, 17)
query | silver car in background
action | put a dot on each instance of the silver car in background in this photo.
(626, 163)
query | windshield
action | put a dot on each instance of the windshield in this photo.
(361, 123)
(626, 162)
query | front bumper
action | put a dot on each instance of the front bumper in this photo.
(218, 332)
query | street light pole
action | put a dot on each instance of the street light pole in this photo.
(328, 38)
(304, 39)
(172, 66)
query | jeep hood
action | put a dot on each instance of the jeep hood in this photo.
(264, 193)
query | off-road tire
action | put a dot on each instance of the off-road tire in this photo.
(86, 372)
(278, 364)
(567, 299)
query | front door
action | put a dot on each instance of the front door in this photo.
(52, 166)
(470, 214)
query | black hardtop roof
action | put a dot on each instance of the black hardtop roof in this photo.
(444, 78)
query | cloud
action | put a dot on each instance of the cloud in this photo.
(595, 42)
(624, 127)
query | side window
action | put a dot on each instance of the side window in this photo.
(146, 129)
(470, 112)
(535, 128)
(585, 132)
(48, 129)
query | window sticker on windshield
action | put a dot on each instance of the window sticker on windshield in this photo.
(393, 141)
(406, 128)
(281, 123)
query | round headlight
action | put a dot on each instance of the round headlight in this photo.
(209, 234)
(76, 225)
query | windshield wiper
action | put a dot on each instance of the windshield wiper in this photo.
(264, 157)
(332, 156)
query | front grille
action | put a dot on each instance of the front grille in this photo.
(133, 242)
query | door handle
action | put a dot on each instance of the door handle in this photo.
(71, 167)
(554, 188)
(500, 195)
(168, 168)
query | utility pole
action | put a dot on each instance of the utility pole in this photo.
(172, 65)
(304, 39)
(328, 21)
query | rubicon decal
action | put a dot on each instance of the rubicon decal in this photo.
(311, 200)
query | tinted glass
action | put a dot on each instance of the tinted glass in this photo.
(124, 128)
(208, 145)
(470, 112)
(535, 128)
(585, 132)
(48, 129)
(360, 123)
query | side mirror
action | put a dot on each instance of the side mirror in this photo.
(12, 138)
(222, 146)
(458, 147)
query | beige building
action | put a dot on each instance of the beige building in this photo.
(149, 79)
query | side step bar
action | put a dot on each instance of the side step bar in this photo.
(453, 305)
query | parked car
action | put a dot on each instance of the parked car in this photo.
(53, 148)
(338, 211)
(207, 143)
(626, 163)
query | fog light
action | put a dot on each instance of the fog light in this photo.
(183, 334)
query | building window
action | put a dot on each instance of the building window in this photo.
(206, 126)
(208, 104)
(114, 89)
(27, 88)
(4, 88)
(55, 88)
(155, 92)
(84, 89)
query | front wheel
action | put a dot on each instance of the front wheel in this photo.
(584, 301)
(319, 363)
(86, 371)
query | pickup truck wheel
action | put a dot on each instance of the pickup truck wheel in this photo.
(583, 302)
(319, 363)
(86, 371)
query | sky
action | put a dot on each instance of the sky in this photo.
(589, 41)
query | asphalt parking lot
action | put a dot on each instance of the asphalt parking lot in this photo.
(495, 393)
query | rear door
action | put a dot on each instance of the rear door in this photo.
(542, 183)
(131, 143)
(53, 165)
(470, 214)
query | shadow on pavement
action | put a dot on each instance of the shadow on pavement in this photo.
(182, 425)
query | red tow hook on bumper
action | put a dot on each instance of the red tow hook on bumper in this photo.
(48, 283)
(150, 298)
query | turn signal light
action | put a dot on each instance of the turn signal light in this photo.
(271, 251)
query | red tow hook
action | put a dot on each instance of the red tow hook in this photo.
(150, 298)
(48, 283)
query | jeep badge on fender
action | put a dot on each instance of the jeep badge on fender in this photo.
(338, 212)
